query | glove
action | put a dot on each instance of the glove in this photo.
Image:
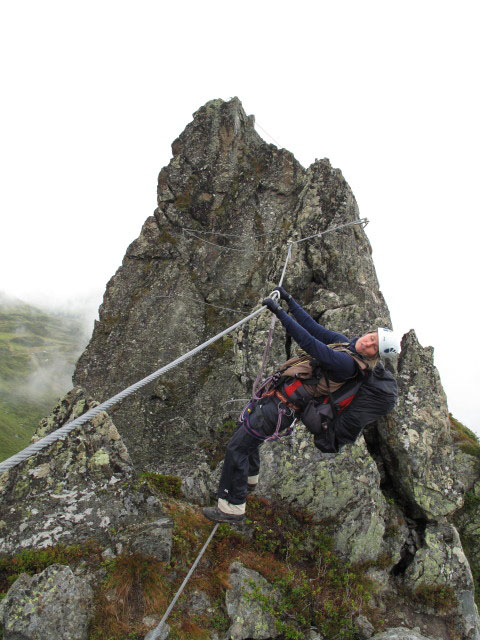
(272, 305)
(284, 295)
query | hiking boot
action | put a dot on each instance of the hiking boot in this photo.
(214, 514)
(251, 487)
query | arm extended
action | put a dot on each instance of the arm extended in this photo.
(314, 328)
(339, 364)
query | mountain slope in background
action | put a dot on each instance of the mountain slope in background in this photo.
(38, 350)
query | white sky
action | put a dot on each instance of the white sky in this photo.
(94, 92)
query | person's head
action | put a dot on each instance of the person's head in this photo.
(382, 342)
(367, 345)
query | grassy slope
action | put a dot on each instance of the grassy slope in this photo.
(38, 351)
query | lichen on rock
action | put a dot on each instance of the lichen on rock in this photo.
(76, 489)
(51, 605)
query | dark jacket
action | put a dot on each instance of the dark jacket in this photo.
(313, 338)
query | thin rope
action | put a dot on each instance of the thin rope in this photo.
(362, 221)
(268, 344)
(191, 232)
(63, 431)
(230, 235)
(155, 633)
(209, 304)
(266, 132)
(221, 246)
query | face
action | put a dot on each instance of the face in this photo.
(367, 345)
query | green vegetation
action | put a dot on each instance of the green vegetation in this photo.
(38, 351)
(33, 561)
(18, 419)
(469, 443)
(471, 508)
(440, 597)
(466, 439)
(170, 486)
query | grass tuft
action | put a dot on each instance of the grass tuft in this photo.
(464, 437)
(170, 486)
(135, 586)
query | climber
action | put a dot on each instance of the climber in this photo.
(331, 360)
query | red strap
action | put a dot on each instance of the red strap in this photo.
(293, 387)
(344, 403)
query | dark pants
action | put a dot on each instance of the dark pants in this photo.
(242, 457)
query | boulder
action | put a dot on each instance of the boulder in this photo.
(51, 605)
(441, 562)
(249, 619)
(80, 488)
(401, 633)
(150, 538)
(343, 490)
(161, 634)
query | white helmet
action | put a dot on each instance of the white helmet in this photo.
(388, 343)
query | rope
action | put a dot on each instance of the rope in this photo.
(208, 304)
(266, 132)
(63, 431)
(362, 221)
(221, 246)
(155, 633)
(192, 232)
(272, 327)
(230, 235)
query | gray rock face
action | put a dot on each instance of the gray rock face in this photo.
(343, 488)
(76, 489)
(365, 628)
(249, 620)
(151, 538)
(416, 441)
(51, 605)
(227, 205)
(400, 633)
(442, 562)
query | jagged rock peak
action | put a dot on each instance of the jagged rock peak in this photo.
(215, 246)
(228, 203)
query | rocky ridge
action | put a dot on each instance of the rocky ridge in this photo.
(393, 503)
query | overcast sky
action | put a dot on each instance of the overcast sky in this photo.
(93, 94)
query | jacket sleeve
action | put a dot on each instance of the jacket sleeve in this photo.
(314, 328)
(338, 364)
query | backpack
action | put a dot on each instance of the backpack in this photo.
(340, 418)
